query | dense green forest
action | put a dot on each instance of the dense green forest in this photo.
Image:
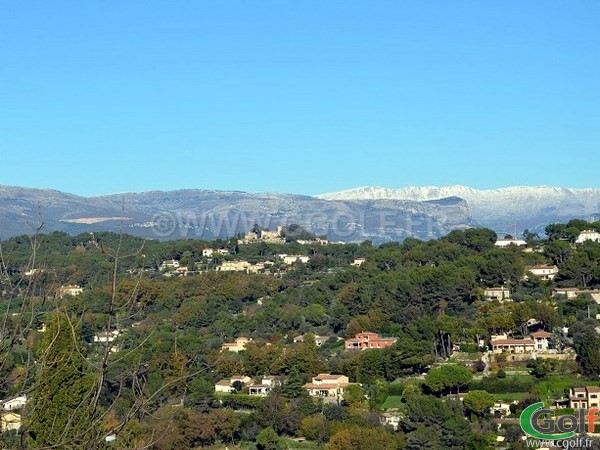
(153, 386)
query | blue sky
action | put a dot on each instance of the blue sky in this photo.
(298, 96)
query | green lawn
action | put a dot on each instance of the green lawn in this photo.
(521, 377)
(555, 385)
(392, 401)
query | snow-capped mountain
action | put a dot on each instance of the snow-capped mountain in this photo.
(211, 214)
(529, 207)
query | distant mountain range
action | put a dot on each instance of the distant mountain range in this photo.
(378, 214)
(502, 209)
(213, 214)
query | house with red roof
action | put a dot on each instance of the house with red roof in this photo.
(367, 339)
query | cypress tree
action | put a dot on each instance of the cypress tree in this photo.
(62, 412)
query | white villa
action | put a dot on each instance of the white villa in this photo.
(584, 397)
(14, 403)
(168, 264)
(541, 339)
(501, 294)
(543, 272)
(507, 242)
(265, 386)
(69, 289)
(588, 235)
(391, 419)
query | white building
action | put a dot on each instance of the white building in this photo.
(207, 252)
(584, 397)
(543, 272)
(588, 235)
(168, 264)
(501, 407)
(542, 340)
(507, 242)
(317, 241)
(391, 419)
(265, 386)
(14, 403)
(501, 294)
(69, 289)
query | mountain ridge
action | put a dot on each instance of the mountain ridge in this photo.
(500, 209)
(209, 214)
(369, 212)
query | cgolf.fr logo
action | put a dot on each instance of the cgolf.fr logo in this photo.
(538, 422)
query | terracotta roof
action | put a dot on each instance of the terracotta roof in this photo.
(325, 386)
(224, 383)
(541, 334)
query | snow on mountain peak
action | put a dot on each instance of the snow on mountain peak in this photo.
(526, 206)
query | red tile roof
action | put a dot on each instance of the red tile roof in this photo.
(541, 334)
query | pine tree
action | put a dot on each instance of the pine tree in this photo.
(63, 410)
